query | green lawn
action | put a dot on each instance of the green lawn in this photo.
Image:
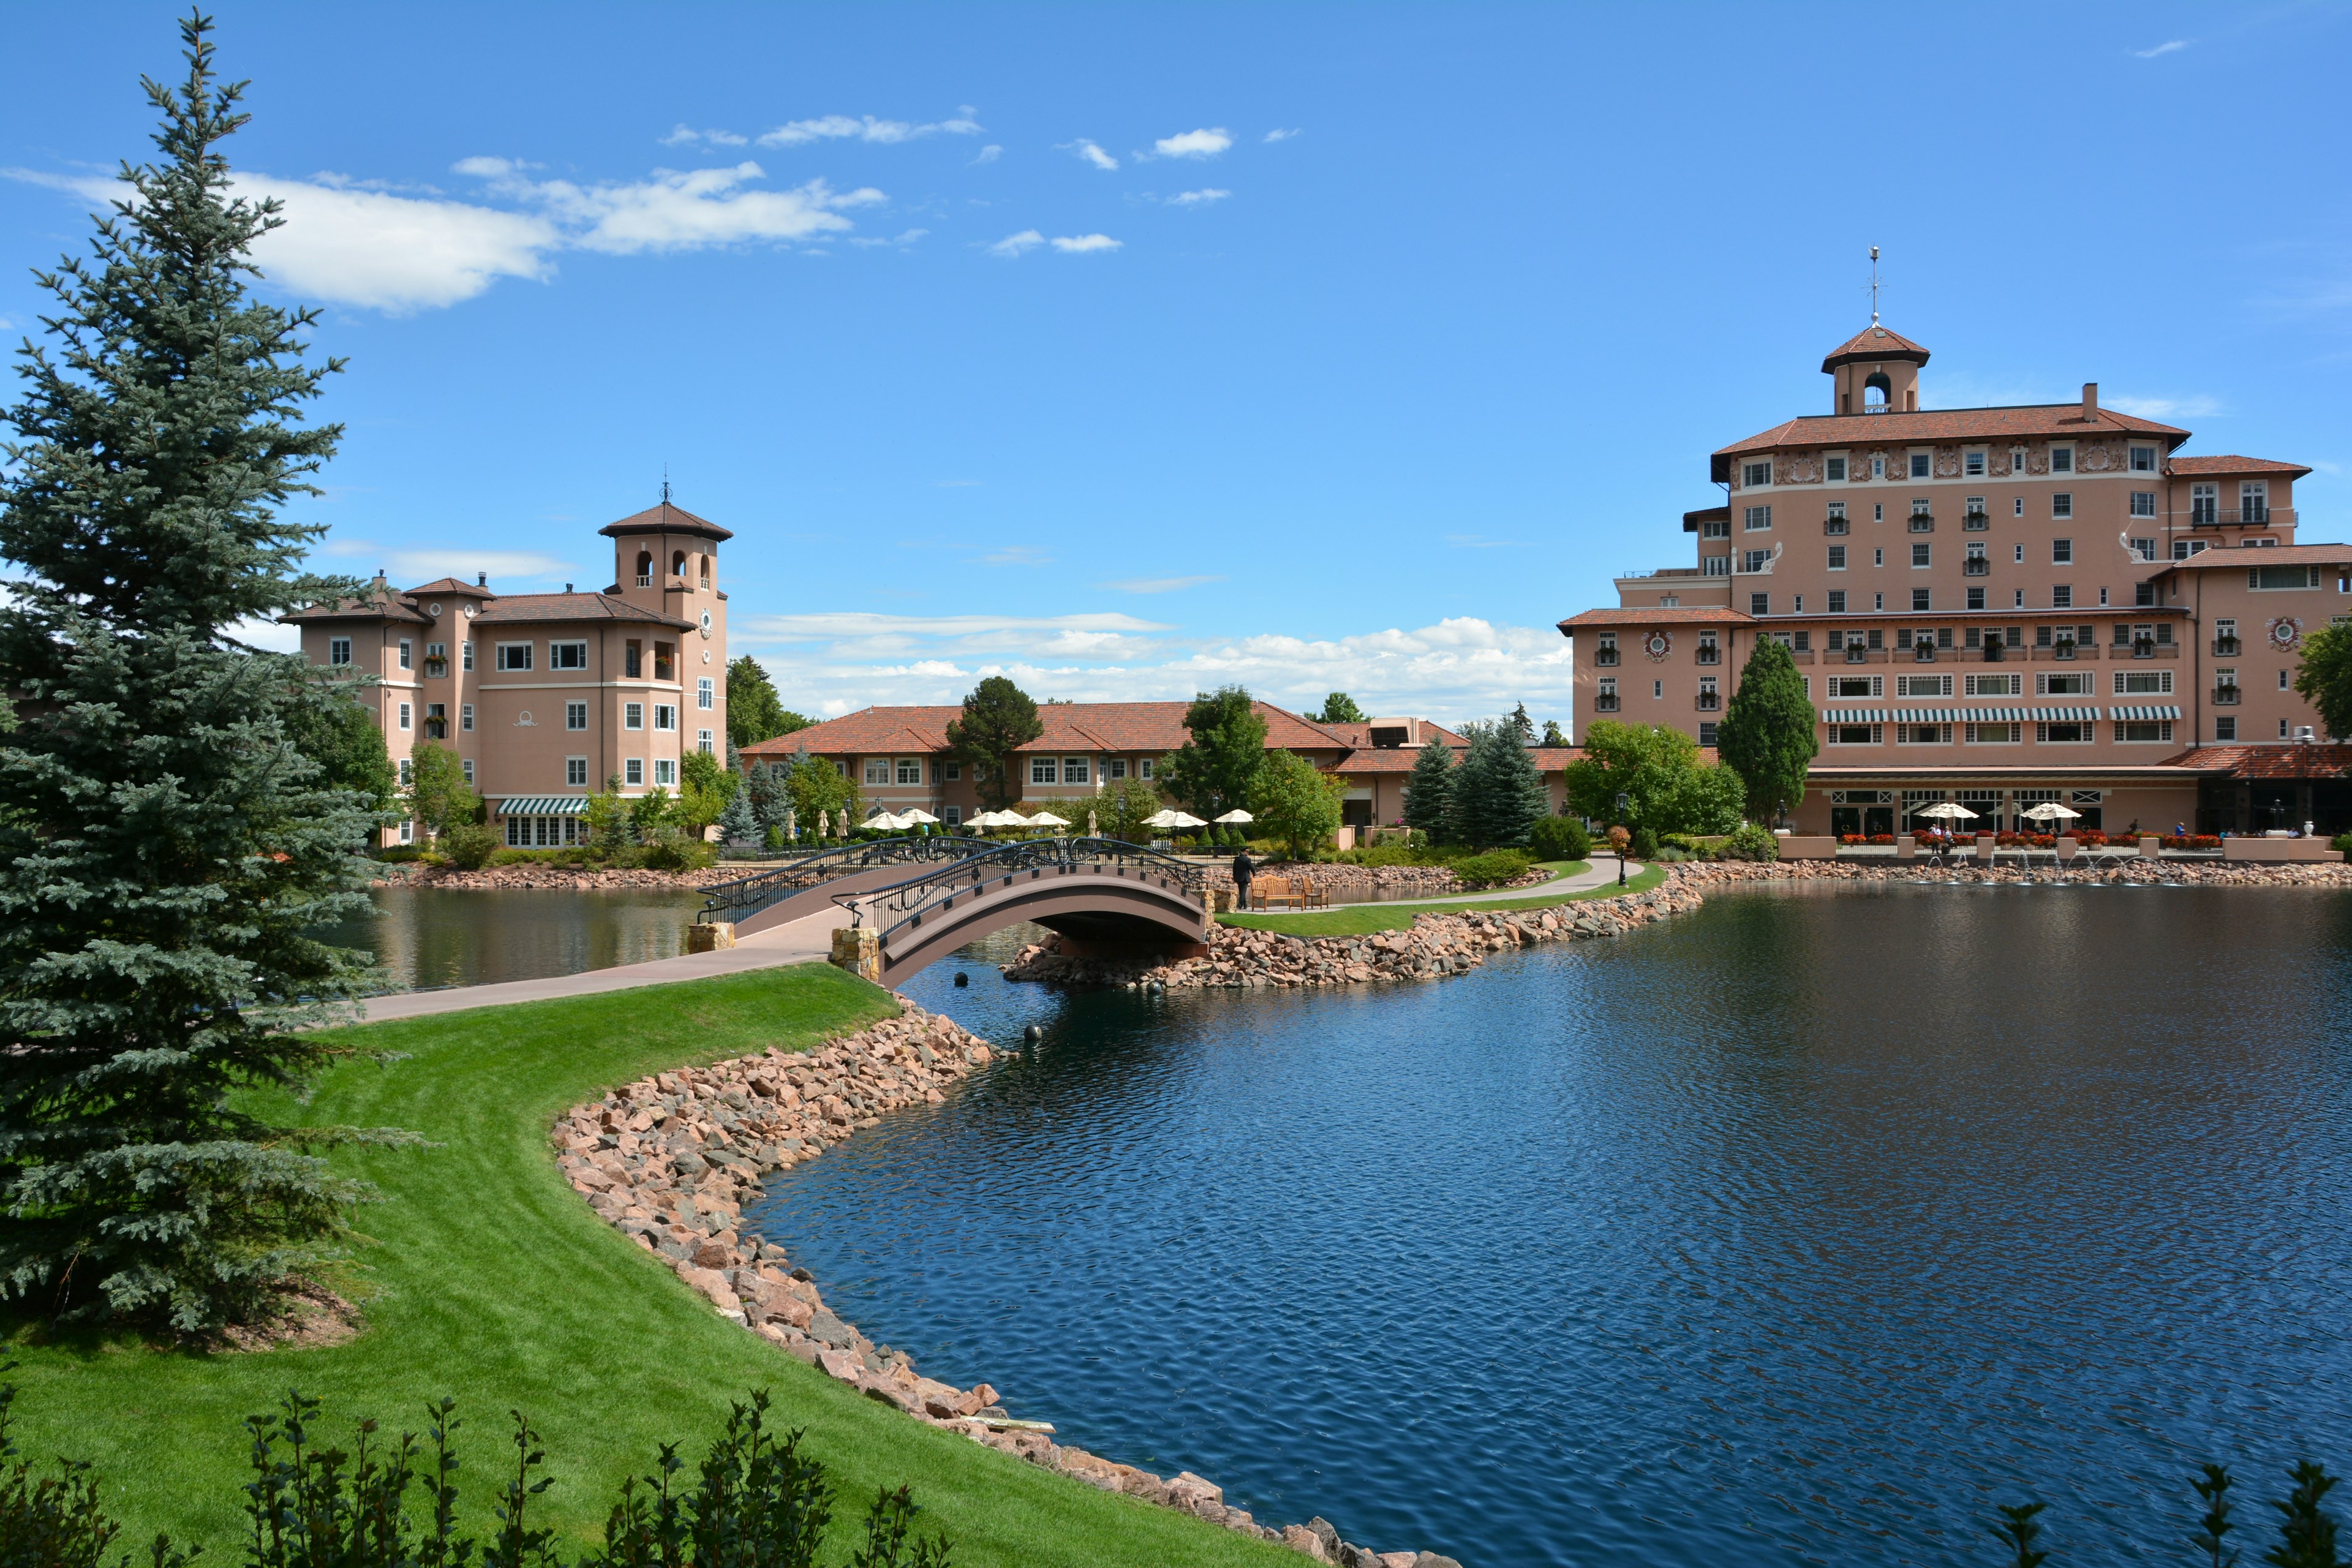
(486, 1278)
(1363, 919)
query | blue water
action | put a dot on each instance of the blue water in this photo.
(1804, 1229)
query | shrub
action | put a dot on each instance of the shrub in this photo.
(1492, 868)
(2342, 843)
(677, 855)
(1560, 838)
(1750, 841)
(1668, 853)
(470, 845)
(1646, 844)
(401, 855)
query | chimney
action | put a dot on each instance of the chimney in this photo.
(482, 579)
(2090, 400)
(567, 587)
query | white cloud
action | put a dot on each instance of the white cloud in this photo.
(685, 210)
(1197, 199)
(425, 563)
(1089, 152)
(268, 634)
(1015, 555)
(1157, 585)
(1281, 135)
(989, 155)
(1202, 143)
(1453, 670)
(1013, 245)
(907, 237)
(683, 135)
(2168, 47)
(863, 128)
(2193, 407)
(1080, 244)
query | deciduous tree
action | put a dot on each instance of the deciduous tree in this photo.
(999, 719)
(1669, 787)
(754, 712)
(437, 793)
(167, 852)
(1339, 709)
(1767, 735)
(1215, 770)
(1295, 801)
(2325, 679)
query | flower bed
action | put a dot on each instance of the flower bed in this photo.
(2192, 841)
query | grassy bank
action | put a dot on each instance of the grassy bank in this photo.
(1363, 919)
(485, 1277)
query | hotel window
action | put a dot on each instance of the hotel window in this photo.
(2079, 685)
(465, 716)
(1716, 566)
(1919, 599)
(2017, 509)
(2283, 680)
(1041, 769)
(1922, 555)
(339, 651)
(514, 656)
(2062, 460)
(1857, 685)
(404, 715)
(702, 742)
(665, 770)
(1853, 734)
(1755, 519)
(1115, 768)
(1804, 642)
(2254, 506)
(2020, 556)
(1919, 465)
(2061, 552)
(2142, 503)
(567, 656)
(2017, 463)
(1973, 464)
(1715, 528)
(1878, 601)
(633, 772)
(1143, 768)
(466, 766)
(1835, 523)
(1976, 599)
(407, 771)
(1754, 474)
(2225, 729)
(2143, 548)
(575, 715)
(1994, 734)
(1923, 734)
(1877, 468)
(1706, 732)
(1835, 468)
(575, 773)
(2282, 734)
(1995, 685)
(1073, 770)
(2283, 577)
(466, 655)
(954, 814)
(404, 648)
(910, 770)
(2143, 594)
(2062, 503)
(1922, 686)
(2144, 730)
(2143, 459)
(408, 830)
(2144, 682)
(951, 771)
(706, 695)
(2063, 735)
(1759, 603)
(632, 715)
(1878, 556)
(1657, 688)
(2061, 596)
(1756, 559)
(878, 770)
(2204, 505)
(1837, 602)
(665, 716)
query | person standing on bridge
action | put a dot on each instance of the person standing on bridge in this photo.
(1242, 869)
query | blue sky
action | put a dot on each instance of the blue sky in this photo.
(1134, 350)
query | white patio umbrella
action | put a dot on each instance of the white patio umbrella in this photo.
(882, 822)
(1045, 819)
(915, 817)
(2049, 811)
(1951, 811)
(1162, 818)
(1237, 815)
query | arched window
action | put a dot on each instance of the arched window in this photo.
(677, 564)
(1876, 390)
(644, 568)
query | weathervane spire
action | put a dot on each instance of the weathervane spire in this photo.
(1873, 287)
(666, 465)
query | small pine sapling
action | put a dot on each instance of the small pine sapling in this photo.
(2213, 1491)
(2307, 1535)
(2018, 1532)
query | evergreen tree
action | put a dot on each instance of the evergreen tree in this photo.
(343, 738)
(1426, 790)
(1495, 796)
(738, 822)
(765, 791)
(166, 851)
(999, 719)
(1766, 734)
(1523, 724)
(1553, 735)
(754, 712)
(1215, 769)
(1339, 709)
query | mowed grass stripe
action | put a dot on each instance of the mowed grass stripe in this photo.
(484, 1276)
(1363, 920)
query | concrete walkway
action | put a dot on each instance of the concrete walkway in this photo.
(806, 940)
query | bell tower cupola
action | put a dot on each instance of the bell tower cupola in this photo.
(1875, 371)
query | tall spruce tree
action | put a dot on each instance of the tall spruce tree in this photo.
(1767, 735)
(1427, 788)
(1495, 796)
(166, 851)
(998, 719)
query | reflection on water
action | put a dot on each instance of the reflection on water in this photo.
(429, 937)
(1804, 1229)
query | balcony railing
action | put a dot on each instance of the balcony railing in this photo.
(1709, 655)
(1923, 522)
(1923, 652)
(1605, 656)
(1835, 526)
(1709, 701)
(1976, 566)
(1993, 653)
(645, 579)
(2225, 696)
(2225, 648)
(2242, 516)
(1606, 702)
(1975, 522)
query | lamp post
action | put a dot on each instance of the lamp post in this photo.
(1623, 802)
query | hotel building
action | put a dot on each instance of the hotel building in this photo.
(544, 696)
(1998, 606)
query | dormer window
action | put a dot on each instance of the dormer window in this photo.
(1834, 468)
(1752, 475)
(1972, 465)
(1919, 465)
(2143, 459)
(2062, 460)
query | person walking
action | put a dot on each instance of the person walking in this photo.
(1242, 869)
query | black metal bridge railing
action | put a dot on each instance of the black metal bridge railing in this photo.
(936, 892)
(746, 896)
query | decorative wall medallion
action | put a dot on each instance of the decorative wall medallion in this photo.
(2099, 458)
(706, 623)
(2284, 630)
(523, 720)
(1948, 464)
(2037, 462)
(433, 610)
(1658, 644)
(1802, 470)
(467, 611)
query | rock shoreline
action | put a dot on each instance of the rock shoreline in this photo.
(571, 878)
(672, 1159)
(2122, 871)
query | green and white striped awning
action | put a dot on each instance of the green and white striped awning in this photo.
(1925, 715)
(544, 805)
(1994, 715)
(2064, 715)
(2146, 712)
(1853, 716)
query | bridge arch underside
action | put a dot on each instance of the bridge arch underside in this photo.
(1103, 913)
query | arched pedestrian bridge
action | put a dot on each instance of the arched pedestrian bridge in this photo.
(1094, 891)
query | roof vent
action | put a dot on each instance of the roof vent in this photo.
(481, 579)
(567, 587)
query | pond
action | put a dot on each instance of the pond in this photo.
(1804, 1229)
(428, 936)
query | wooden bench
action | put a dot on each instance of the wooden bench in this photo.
(1270, 892)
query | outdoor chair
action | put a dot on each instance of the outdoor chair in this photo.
(1272, 892)
(1312, 895)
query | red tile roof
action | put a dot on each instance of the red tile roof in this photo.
(665, 518)
(1874, 342)
(2033, 420)
(542, 607)
(2258, 555)
(2273, 762)
(2233, 464)
(1714, 616)
(378, 607)
(451, 586)
(1142, 728)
